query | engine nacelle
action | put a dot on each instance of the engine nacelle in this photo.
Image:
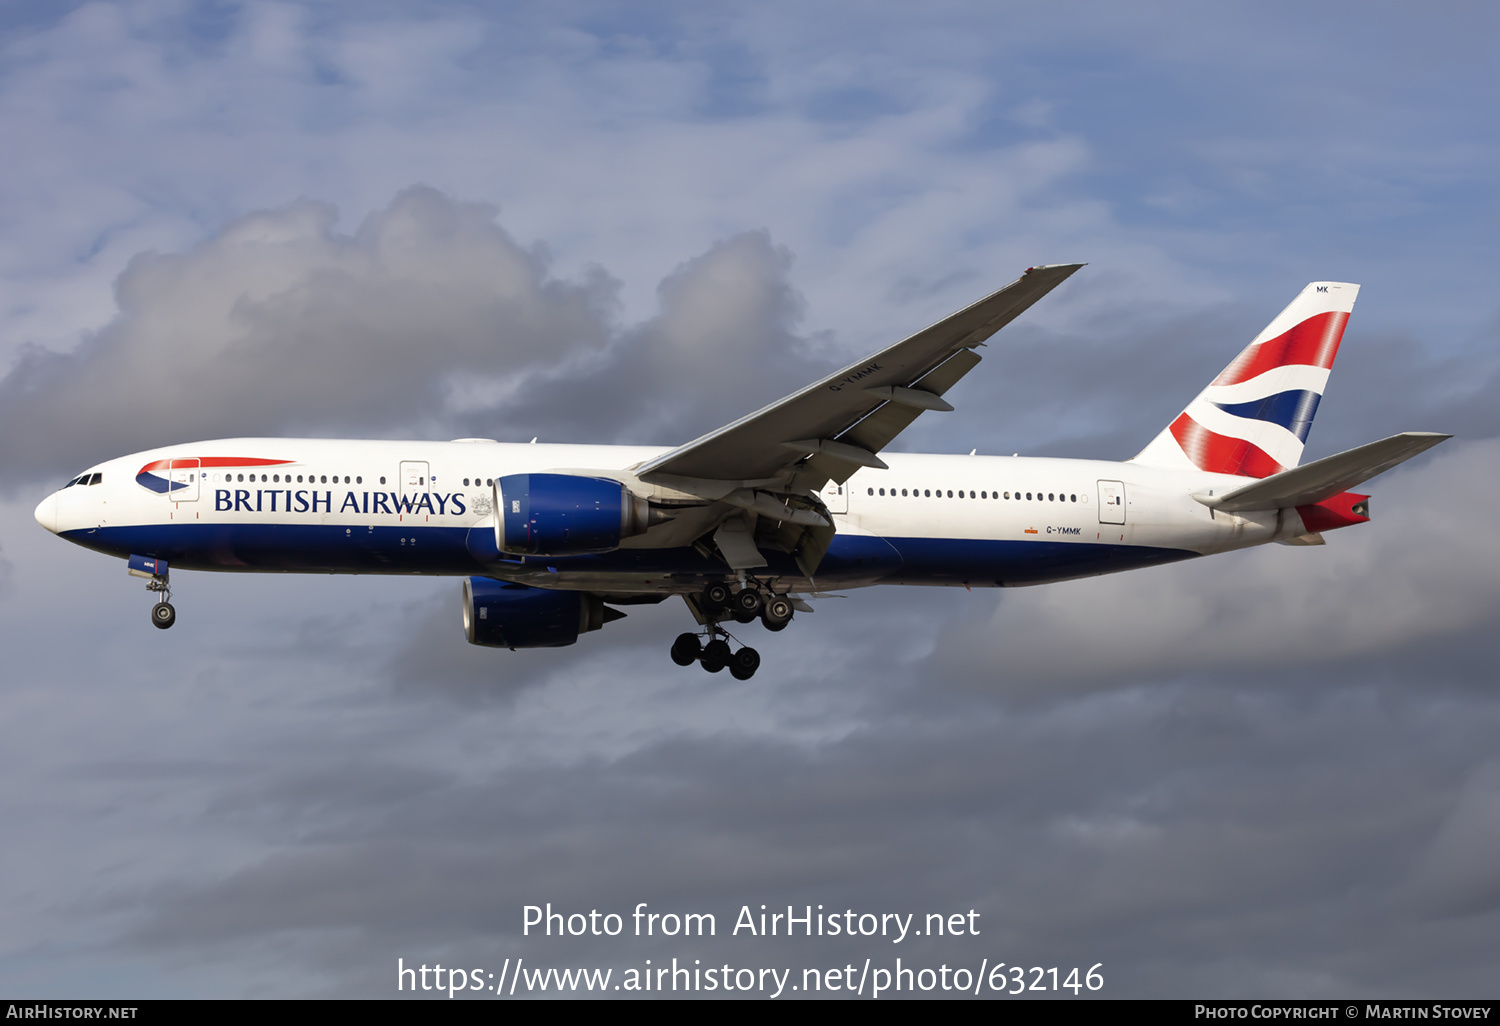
(505, 615)
(565, 514)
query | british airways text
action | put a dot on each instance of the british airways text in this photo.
(286, 500)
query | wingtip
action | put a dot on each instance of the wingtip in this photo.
(1070, 268)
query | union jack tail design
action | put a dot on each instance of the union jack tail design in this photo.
(1252, 420)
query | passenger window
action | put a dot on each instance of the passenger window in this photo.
(325, 478)
(1051, 497)
(927, 492)
(382, 480)
(1072, 498)
(358, 479)
(903, 491)
(466, 482)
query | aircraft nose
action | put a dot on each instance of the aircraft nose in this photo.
(46, 513)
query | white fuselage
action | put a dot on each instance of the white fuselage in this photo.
(316, 505)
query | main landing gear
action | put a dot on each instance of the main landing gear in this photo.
(716, 655)
(718, 602)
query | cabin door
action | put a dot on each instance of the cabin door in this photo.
(415, 480)
(836, 497)
(183, 475)
(1111, 502)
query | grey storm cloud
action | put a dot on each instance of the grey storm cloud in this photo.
(1459, 875)
(428, 318)
(1397, 581)
(1261, 774)
(1087, 763)
(1086, 828)
(280, 322)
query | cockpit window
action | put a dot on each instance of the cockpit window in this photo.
(95, 478)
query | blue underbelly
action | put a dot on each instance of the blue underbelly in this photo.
(456, 551)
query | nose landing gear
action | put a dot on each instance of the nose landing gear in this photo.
(163, 615)
(158, 580)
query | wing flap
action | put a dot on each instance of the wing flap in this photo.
(1325, 478)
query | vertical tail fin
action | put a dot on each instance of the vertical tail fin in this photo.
(1252, 420)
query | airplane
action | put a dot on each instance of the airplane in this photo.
(751, 520)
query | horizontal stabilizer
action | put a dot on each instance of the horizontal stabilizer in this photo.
(1325, 478)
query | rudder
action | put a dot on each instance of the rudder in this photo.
(1252, 420)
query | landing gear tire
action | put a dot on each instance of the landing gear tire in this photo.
(715, 597)
(777, 614)
(686, 650)
(744, 664)
(747, 605)
(715, 655)
(163, 615)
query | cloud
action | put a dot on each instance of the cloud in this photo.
(722, 345)
(1458, 874)
(1403, 578)
(429, 318)
(310, 776)
(279, 323)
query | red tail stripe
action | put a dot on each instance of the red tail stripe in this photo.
(1220, 454)
(1314, 342)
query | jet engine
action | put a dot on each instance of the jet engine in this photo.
(504, 615)
(565, 514)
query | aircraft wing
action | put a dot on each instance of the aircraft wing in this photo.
(838, 424)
